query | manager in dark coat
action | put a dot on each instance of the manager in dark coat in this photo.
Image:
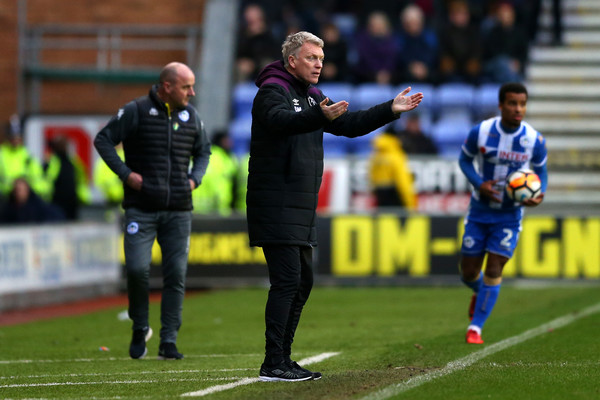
(289, 117)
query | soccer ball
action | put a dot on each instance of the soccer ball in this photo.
(523, 185)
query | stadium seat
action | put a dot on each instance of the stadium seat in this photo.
(243, 97)
(239, 131)
(485, 100)
(363, 145)
(346, 23)
(428, 90)
(369, 94)
(452, 96)
(450, 132)
(425, 117)
(337, 91)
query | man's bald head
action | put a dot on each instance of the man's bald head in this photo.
(170, 72)
(176, 84)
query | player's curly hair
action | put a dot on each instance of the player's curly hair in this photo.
(294, 41)
(511, 87)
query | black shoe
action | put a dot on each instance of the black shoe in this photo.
(294, 365)
(137, 348)
(168, 351)
(283, 372)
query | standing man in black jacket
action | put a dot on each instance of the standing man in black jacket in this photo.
(160, 133)
(289, 117)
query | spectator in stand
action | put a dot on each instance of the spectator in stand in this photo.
(389, 174)
(505, 47)
(256, 45)
(533, 8)
(335, 66)
(460, 46)
(241, 188)
(16, 162)
(377, 51)
(217, 193)
(108, 182)
(418, 47)
(24, 206)
(391, 8)
(67, 177)
(413, 140)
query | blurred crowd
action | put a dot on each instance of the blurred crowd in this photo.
(392, 42)
(34, 191)
(389, 42)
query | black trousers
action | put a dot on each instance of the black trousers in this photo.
(291, 278)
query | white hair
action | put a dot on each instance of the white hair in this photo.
(294, 41)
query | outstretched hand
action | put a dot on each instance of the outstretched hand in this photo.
(403, 103)
(335, 110)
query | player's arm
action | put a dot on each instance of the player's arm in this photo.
(200, 156)
(465, 162)
(117, 130)
(538, 163)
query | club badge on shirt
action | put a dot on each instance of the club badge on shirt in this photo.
(184, 115)
(133, 228)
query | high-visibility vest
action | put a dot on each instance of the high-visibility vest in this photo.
(215, 194)
(82, 184)
(107, 181)
(17, 162)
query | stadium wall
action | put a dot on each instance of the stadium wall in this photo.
(85, 97)
(390, 249)
(47, 264)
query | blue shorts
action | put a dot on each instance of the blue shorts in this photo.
(498, 238)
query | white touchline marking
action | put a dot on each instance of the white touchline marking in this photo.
(3, 362)
(176, 371)
(18, 385)
(467, 361)
(247, 381)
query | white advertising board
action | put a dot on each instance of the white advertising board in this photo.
(57, 256)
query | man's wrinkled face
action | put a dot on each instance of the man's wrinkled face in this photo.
(307, 65)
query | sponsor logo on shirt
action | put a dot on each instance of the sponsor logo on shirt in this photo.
(296, 104)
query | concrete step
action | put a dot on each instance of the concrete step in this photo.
(561, 91)
(577, 198)
(572, 38)
(580, 6)
(573, 21)
(571, 109)
(583, 180)
(564, 55)
(574, 73)
(574, 143)
(581, 133)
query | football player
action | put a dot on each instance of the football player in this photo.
(493, 149)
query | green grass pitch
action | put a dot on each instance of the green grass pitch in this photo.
(369, 343)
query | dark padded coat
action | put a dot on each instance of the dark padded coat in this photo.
(286, 155)
(158, 145)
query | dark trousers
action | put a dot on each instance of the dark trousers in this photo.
(291, 278)
(172, 230)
